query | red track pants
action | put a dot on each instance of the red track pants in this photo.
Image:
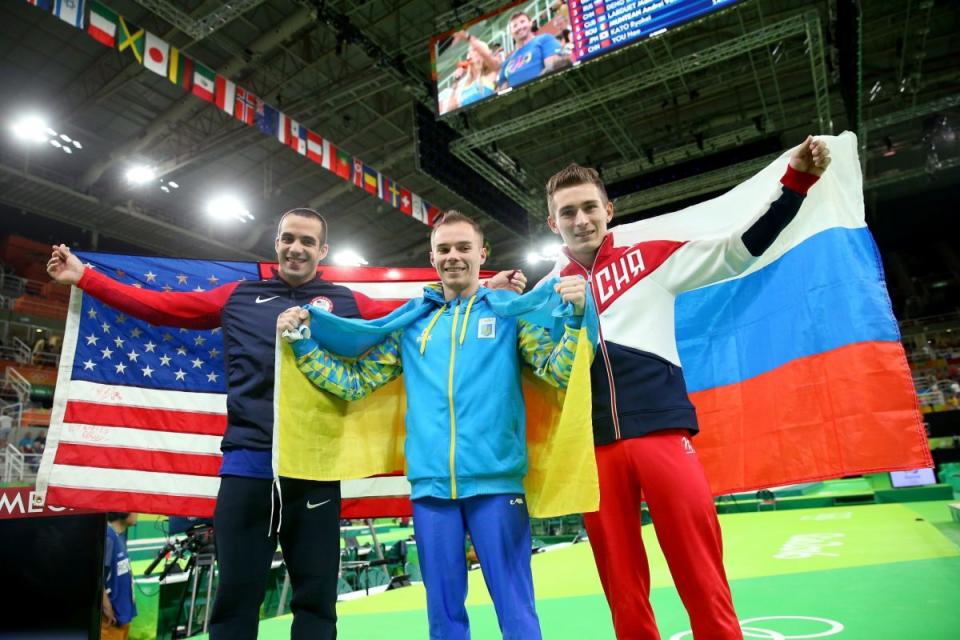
(665, 467)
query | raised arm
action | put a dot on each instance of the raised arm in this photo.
(346, 378)
(808, 161)
(701, 262)
(189, 309)
(481, 47)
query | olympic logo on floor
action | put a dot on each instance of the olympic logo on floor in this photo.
(767, 633)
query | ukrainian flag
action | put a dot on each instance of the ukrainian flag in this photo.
(319, 437)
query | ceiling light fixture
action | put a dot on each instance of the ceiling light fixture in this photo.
(31, 129)
(34, 129)
(228, 207)
(140, 174)
(349, 258)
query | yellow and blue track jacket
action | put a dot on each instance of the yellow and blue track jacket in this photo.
(465, 414)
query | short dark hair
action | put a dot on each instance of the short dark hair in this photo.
(452, 216)
(571, 176)
(517, 15)
(113, 516)
(304, 212)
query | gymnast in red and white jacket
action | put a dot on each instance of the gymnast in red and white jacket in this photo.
(637, 381)
(642, 416)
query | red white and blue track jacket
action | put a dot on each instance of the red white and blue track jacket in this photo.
(637, 381)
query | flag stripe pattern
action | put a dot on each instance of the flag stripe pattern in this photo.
(181, 69)
(70, 11)
(204, 82)
(198, 422)
(225, 95)
(138, 459)
(795, 367)
(856, 303)
(103, 24)
(139, 410)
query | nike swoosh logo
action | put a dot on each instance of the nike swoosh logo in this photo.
(314, 506)
(262, 300)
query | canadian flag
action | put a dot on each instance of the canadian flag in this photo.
(226, 95)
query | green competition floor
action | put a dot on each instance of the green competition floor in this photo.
(870, 572)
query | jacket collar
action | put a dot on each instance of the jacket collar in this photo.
(317, 280)
(433, 293)
(603, 252)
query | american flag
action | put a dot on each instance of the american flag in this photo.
(139, 410)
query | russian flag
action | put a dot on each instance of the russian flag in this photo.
(796, 367)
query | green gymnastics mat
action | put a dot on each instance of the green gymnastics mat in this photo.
(866, 572)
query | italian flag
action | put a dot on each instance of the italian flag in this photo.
(204, 82)
(103, 24)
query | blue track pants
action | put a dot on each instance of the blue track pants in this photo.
(500, 529)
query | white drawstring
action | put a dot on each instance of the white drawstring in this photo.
(280, 507)
(275, 490)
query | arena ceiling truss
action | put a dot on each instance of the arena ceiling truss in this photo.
(683, 115)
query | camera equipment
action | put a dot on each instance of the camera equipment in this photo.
(198, 547)
(199, 539)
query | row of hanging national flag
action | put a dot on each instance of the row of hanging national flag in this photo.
(113, 30)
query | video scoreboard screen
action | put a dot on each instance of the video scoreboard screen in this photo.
(526, 40)
(599, 26)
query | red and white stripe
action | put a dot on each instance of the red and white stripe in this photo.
(226, 94)
(314, 147)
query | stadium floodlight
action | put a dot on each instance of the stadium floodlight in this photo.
(34, 129)
(31, 129)
(173, 185)
(227, 207)
(393, 274)
(549, 252)
(140, 174)
(348, 258)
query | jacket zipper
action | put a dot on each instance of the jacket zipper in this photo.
(614, 414)
(453, 417)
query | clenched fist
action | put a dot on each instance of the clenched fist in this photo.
(63, 266)
(573, 289)
(291, 319)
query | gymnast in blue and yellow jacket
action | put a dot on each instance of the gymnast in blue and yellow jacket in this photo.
(465, 423)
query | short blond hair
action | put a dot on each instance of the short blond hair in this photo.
(452, 216)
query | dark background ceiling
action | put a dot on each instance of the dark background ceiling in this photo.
(670, 120)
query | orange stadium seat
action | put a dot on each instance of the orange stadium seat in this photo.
(22, 254)
(38, 306)
(36, 418)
